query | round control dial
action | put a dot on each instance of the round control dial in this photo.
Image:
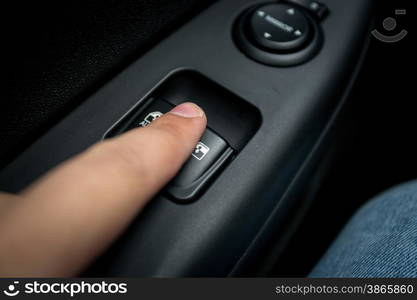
(279, 27)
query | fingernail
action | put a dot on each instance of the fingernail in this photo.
(187, 110)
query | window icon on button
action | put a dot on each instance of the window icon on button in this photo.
(200, 151)
(150, 118)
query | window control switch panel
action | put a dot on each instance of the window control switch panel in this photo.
(209, 156)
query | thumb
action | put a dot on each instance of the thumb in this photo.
(74, 212)
(155, 153)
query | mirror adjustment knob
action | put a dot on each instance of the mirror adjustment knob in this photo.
(279, 34)
(279, 27)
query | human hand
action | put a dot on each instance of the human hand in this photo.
(64, 220)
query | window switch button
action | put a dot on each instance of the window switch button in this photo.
(207, 158)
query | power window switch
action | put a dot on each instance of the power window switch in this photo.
(151, 112)
(208, 157)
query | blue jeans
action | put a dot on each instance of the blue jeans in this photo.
(379, 241)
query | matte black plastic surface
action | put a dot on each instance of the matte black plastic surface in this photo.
(217, 234)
